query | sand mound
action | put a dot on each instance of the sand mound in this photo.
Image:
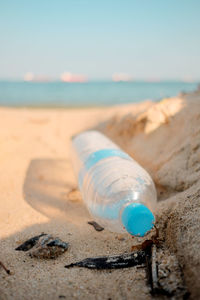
(165, 139)
(39, 194)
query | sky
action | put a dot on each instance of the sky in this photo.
(147, 39)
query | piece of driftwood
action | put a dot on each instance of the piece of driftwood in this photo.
(125, 260)
(96, 226)
(152, 272)
(4, 267)
(44, 246)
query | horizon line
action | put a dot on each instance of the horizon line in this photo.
(150, 80)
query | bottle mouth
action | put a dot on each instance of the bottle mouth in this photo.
(137, 219)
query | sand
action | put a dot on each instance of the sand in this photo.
(39, 194)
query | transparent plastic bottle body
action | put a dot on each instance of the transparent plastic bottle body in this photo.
(114, 187)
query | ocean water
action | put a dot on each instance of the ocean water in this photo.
(59, 94)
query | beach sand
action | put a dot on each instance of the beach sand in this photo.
(39, 194)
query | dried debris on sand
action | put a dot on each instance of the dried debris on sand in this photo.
(96, 226)
(4, 267)
(125, 260)
(163, 271)
(44, 246)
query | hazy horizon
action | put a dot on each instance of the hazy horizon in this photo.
(147, 80)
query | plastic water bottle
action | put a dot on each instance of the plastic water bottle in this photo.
(118, 192)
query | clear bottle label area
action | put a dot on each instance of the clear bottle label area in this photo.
(95, 157)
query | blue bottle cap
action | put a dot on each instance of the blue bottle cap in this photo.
(137, 219)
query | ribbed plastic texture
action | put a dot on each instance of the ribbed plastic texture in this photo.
(117, 191)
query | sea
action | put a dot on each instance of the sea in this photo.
(88, 94)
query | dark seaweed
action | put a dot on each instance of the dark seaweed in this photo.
(126, 260)
(96, 226)
(29, 243)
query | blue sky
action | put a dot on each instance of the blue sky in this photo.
(144, 38)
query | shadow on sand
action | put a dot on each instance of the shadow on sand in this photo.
(50, 188)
